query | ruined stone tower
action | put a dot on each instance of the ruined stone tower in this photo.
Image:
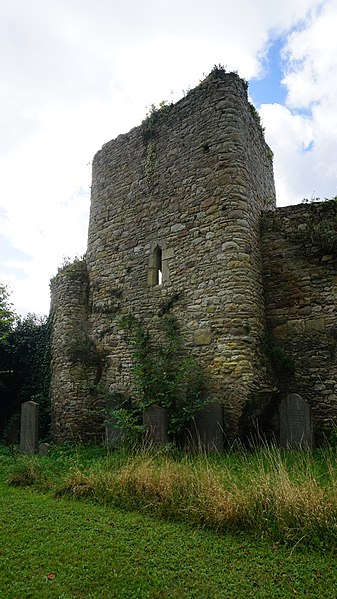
(175, 220)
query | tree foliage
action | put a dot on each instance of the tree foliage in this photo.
(24, 363)
(7, 315)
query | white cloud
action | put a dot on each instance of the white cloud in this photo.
(310, 115)
(75, 73)
(311, 54)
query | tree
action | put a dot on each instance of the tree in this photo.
(7, 315)
(24, 363)
(30, 360)
(8, 319)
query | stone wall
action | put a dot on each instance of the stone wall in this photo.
(300, 280)
(175, 224)
(193, 189)
(75, 365)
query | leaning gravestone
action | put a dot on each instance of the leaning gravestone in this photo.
(295, 423)
(29, 434)
(155, 423)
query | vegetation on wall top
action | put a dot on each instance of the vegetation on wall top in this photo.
(153, 117)
(320, 227)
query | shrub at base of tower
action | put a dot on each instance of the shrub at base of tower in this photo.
(163, 376)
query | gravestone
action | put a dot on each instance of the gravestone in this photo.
(29, 434)
(207, 428)
(113, 435)
(155, 423)
(295, 423)
(44, 448)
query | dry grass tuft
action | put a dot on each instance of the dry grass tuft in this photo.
(25, 472)
(288, 495)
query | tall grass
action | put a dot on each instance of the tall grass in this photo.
(289, 495)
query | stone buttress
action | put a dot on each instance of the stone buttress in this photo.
(75, 365)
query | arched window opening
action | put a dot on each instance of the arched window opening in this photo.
(158, 265)
(159, 258)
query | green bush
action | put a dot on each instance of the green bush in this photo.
(163, 375)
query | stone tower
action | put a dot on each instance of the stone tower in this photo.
(175, 220)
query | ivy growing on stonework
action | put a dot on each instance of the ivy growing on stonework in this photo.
(149, 125)
(153, 117)
(281, 361)
(162, 375)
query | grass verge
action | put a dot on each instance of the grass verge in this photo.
(289, 496)
(60, 548)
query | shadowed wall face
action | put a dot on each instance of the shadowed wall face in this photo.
(300, 280)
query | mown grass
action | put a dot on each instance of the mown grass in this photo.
(287, 496)
(67, 549)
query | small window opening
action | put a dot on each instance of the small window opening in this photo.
(158, 265)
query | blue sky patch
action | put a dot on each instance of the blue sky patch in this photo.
(19, 273)
(308, 147)
(268, 90)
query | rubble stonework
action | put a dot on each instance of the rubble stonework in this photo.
(75, 365)
(189, 199)
(300, 281)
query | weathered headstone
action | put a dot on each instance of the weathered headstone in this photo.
(29, 434)
(295, 423)
(155, 422)
(207, 428)
(113, 436)
(44, 448)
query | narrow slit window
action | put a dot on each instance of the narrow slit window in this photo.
(158, 268)
(158, 265)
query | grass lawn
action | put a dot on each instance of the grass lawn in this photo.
(65, 548)
(100, 552)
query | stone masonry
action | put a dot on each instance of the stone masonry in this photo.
(176, 220)
(300, 281)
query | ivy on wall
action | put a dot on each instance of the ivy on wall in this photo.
(320, 228)
(149, 125)
(162, 375)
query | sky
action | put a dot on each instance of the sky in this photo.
(76, 73)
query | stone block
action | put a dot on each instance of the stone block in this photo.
(168, 253)
(202, 337)
(315, 324)
(177, 227)
(29, 433)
